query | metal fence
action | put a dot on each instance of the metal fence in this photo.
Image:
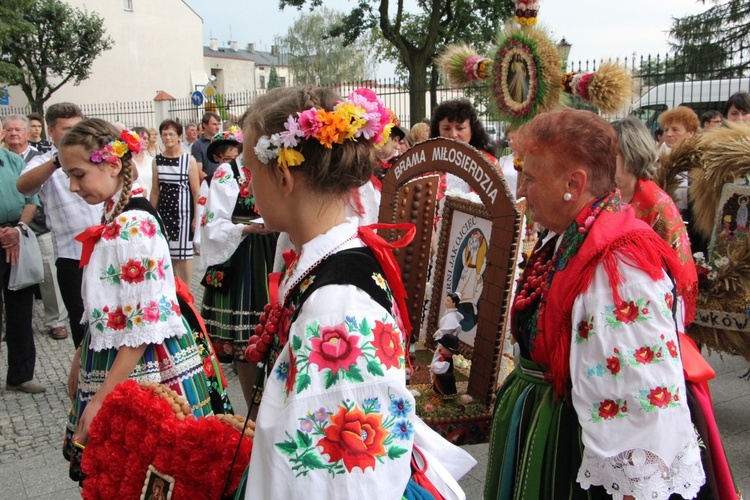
(659, 83)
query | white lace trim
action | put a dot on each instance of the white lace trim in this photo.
(137, 336)
(223, 252)
(643, 474)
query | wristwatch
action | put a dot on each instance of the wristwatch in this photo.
(56, 162)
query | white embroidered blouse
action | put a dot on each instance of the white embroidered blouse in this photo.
(629, 390)
(128, 287)
(336, 420)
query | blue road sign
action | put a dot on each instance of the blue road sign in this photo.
(197, 98)
(4, 100)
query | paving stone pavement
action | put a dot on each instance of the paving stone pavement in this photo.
(31, 426)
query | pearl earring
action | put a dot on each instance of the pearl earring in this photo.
(567, 197)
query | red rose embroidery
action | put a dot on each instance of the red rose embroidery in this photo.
(583, 329)
(208, 368)
(291, 376)
(116, 319)
(335, 348)
(627, 312)
(148, 228)
(608, 409)
(388, 345)
(613, 365)
(244, 190)
(219, 275)
(112, 231)
(644, 355)
(672, 347)
(176, 308)
(660, 397)
(220, 172)
(202, 201)
(133, 272)
(355, 438)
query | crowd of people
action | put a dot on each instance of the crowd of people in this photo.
(598, 400)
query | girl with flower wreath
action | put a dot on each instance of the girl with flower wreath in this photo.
(239, 254)
(134, 326)
(336, 419)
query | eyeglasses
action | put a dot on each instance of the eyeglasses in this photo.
(169, 134)
(227, 159)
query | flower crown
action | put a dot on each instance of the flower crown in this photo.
(361, 114)
(233, 134)
(128, 141)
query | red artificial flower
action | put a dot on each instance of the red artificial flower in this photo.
(644, 355)
(335, 348)
(627, 312)
(116, 319)
(291, 376)
(613, 365)
(355, 438)
(245, 190)
(608, 409)
(133, 142)
(208, 368)
(660, 396)
(111, 231)
(219, 275)
(133, 272)
(583, 329)
(387, 345)
(209, 279)
(672, 347)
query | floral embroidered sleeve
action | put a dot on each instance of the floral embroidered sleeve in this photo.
(128, 286)
(220, 237)
(629, 391)
(336, 417)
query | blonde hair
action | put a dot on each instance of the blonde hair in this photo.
(420, 128)
(335, 170)
(93, 134)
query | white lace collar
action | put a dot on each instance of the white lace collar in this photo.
(315, 251)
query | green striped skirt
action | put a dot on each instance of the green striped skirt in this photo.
(231, 315)
(535, 442)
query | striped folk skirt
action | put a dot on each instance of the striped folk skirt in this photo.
(232, 314)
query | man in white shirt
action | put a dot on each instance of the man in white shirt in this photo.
(67, 213)
(17, 135)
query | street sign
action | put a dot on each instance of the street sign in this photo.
(4, 99)
(209, 90)
(197, 98)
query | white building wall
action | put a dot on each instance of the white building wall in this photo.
(156, 46)
(238, 75)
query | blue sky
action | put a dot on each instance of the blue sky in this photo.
(597, 29)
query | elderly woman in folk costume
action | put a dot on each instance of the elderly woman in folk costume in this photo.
(597, 405)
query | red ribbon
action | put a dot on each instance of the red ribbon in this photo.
(381, 249)
(89, 238)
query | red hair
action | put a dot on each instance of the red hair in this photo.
(681, 115)
(573, 138)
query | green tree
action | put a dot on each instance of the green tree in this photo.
(317, 58)
(715, 43)
(60, 50)
(12, 23)
(273, 79)
(416, 38)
